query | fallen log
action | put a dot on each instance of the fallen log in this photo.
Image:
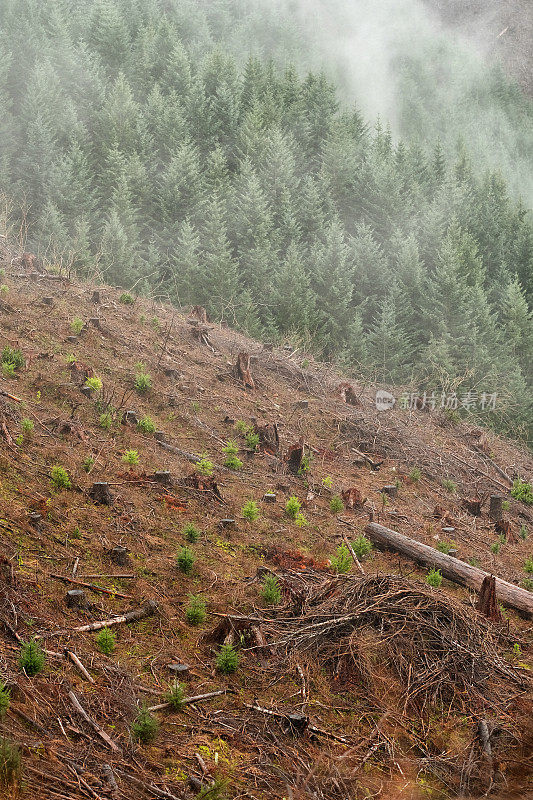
(452, 568)
(132, 616)
(92, 586)
(198, 698)
(94, 725)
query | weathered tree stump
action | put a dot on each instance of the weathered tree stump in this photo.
(295, 457)
(268, 438)
(391, 490)
(159, 436)
(296, 724)
(227, 522)
(348, 395)
(243, 370)
(179, 671)
(47, 301)
(95, 322)
(352, 498)
(96, 297)
(101, 493)
(200, 313)
(303, 404)
(35, 519)
(202, 335)
(269, 497)
(487, 603)
(495, 507)
(472, 505)
(119, 555)
(163, 477)
(130, 418)
(75, 598)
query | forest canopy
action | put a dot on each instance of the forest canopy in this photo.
(139, 145)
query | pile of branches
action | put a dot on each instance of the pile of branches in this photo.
(440, 648)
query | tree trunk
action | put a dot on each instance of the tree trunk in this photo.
(243, 370)
(452, 568)
(495, 507)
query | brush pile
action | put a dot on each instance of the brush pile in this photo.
(441, 649)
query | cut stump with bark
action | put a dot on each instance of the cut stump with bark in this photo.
(487, 603)
(243, 370)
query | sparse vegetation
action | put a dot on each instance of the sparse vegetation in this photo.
(444, 547)
(27, 427)
(242, 427)
(105, 421)
(415, 474)
(126, 298)
(227, 659)
(10, 763)
(449, 485)
(204, 466)
(528, 565)
(361, 546)
(342, 560)
(305, 466)
(250, 511)
(94, 384)
(527, 583)
(293, 507)
(327, 482)
(191, 532)
(142, 383)
(522, 491)
(252, 440)
(336, 505)
(4, 699)
(12, 360)
(195, 613)
(146, 425)
(231, 450)
(76, 326)
(131, 457)
(145, 726)
(185, 559)
(434, 578)
(88, 464)
(31, 658)
(106, 641)
(523, 532)
(59, 477)
(175, 695)
(270, 590)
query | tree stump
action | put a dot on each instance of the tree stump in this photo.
(96, 297)
(119, 555)
(348, 395)
(75, 598)
(130, 418)
(243, 370)
(47, 301)
(487, 603)
(352, 498)
(101, 493)
(201, 314)
(296, 724)
(35, 519)
(391, 491)
(159, 436)
(295, 457)
(268, 438)
(303, 404)
(495, 507)
(95, 322)
(179, 671)
(472, 505)
(163, 477)
(269, 497)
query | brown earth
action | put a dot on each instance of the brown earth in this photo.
(393, 746)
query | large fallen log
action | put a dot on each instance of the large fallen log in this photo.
(452, 568)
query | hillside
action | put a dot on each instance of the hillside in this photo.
(395, 697)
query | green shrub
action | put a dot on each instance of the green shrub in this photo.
(506, 505)
(185, 559)
(146, 425)
(522, 491)
(336, 505)
(31, 658)
(450, 486)
(227, 659)
(13, 356)
(252, 440)
(250, 511)
(434, 578)
(8, 369)
(27, 426)
(145, 726)
(528, 565)
(175, 696)
(242, 427)
(59, 477)
(495, 548)
(126, 298)
(231, 450)
(4, 699)
(131, 457)
(444, 547)
(527, 583)
(88, 464)
(142, 383)
(10, 763)
(270, 591)
(361, 546)
(204, 466)
(300, 520)
(191, 532)
(76, 325)
(105, 421)
(341, 561)
(523, 532)
(94, 384)
(76, 533)
(19, 441)
(474, 562)
(415, 474)
(195, 613)
(214, 791)
(327, 482)
(305, 465)
(293, 507)
(105, 641)
(195, 407)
